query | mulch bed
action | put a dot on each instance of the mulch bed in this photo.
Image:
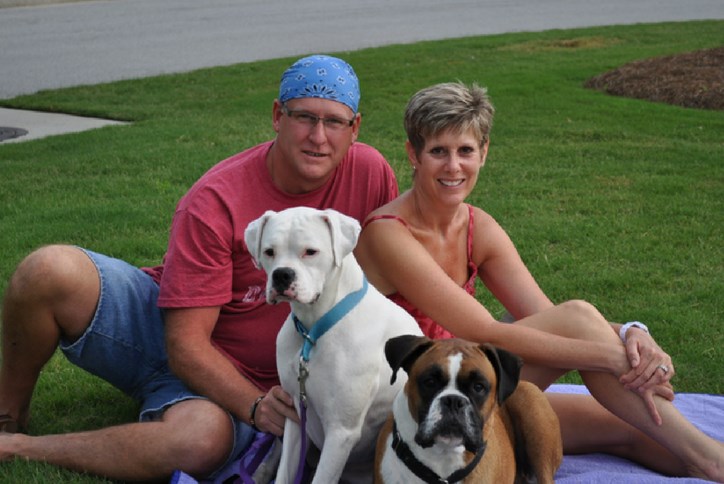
(692, 80)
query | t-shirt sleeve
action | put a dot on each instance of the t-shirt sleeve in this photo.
(198, 265)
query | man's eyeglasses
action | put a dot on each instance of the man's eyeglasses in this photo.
(305, 118)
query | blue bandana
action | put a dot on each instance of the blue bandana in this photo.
(322, 77)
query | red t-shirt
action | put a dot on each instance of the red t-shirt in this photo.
(207, 262)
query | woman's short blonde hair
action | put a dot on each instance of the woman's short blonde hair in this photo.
(450, 106)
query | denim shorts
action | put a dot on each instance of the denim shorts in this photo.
(125, 345)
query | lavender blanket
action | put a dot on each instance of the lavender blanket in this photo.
(705, 411)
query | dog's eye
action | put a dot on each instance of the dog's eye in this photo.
(310, 252)
(429, 383)
(269, 252)
(480, 388)
(431, 380)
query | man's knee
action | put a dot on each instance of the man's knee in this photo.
(203, 436)
(46, 270)
(57, 279)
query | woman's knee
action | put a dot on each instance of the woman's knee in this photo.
(590, 322)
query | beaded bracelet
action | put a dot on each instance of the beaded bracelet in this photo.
(252, 411)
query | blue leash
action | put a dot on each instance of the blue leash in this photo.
(324, 324)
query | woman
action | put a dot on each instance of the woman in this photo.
(425, 249)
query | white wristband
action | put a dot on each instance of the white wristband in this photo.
(627, 326)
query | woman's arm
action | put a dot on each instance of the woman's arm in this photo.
(395, 261)
(502, 270)
(509, 280)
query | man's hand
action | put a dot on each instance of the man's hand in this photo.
(273, 410)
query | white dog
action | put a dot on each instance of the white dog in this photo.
(307, 255)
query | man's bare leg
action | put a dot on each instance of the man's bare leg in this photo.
(54, 292)
(195, 436)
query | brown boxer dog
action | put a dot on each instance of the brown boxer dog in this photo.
(463, 416)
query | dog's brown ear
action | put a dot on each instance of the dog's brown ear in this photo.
(507, 369)
(403, 351)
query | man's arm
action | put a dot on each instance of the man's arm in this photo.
(194, 359)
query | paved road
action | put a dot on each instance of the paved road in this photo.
(52, 46)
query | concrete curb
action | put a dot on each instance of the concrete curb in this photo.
(32, 3)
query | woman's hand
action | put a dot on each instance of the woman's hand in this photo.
(647, 376)
(273, 410)
(664, 390)
(650, 365)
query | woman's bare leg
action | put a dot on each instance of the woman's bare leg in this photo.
(587, 427)
(701, 455)
(630, 431)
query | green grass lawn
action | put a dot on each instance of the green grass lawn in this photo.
(612, 200)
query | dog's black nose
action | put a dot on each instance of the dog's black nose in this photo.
(454, 403)
(282, 278)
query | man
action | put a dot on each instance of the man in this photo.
(204, 307)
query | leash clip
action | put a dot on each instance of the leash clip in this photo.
(306, 336)
(302, 379)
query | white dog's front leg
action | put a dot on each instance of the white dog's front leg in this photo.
(337, 448)
(267, 470)
(291, 449)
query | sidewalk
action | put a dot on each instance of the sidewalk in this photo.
(36, 124)
(39, 124)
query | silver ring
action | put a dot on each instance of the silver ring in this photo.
(664, 368)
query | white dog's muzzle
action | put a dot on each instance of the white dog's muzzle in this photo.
(282, 285)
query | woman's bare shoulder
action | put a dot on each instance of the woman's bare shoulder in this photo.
(391, 208)
(485, 225)
(489, 237)
(481, 216)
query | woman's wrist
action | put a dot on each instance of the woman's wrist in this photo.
(614, 358)
(631, 324)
